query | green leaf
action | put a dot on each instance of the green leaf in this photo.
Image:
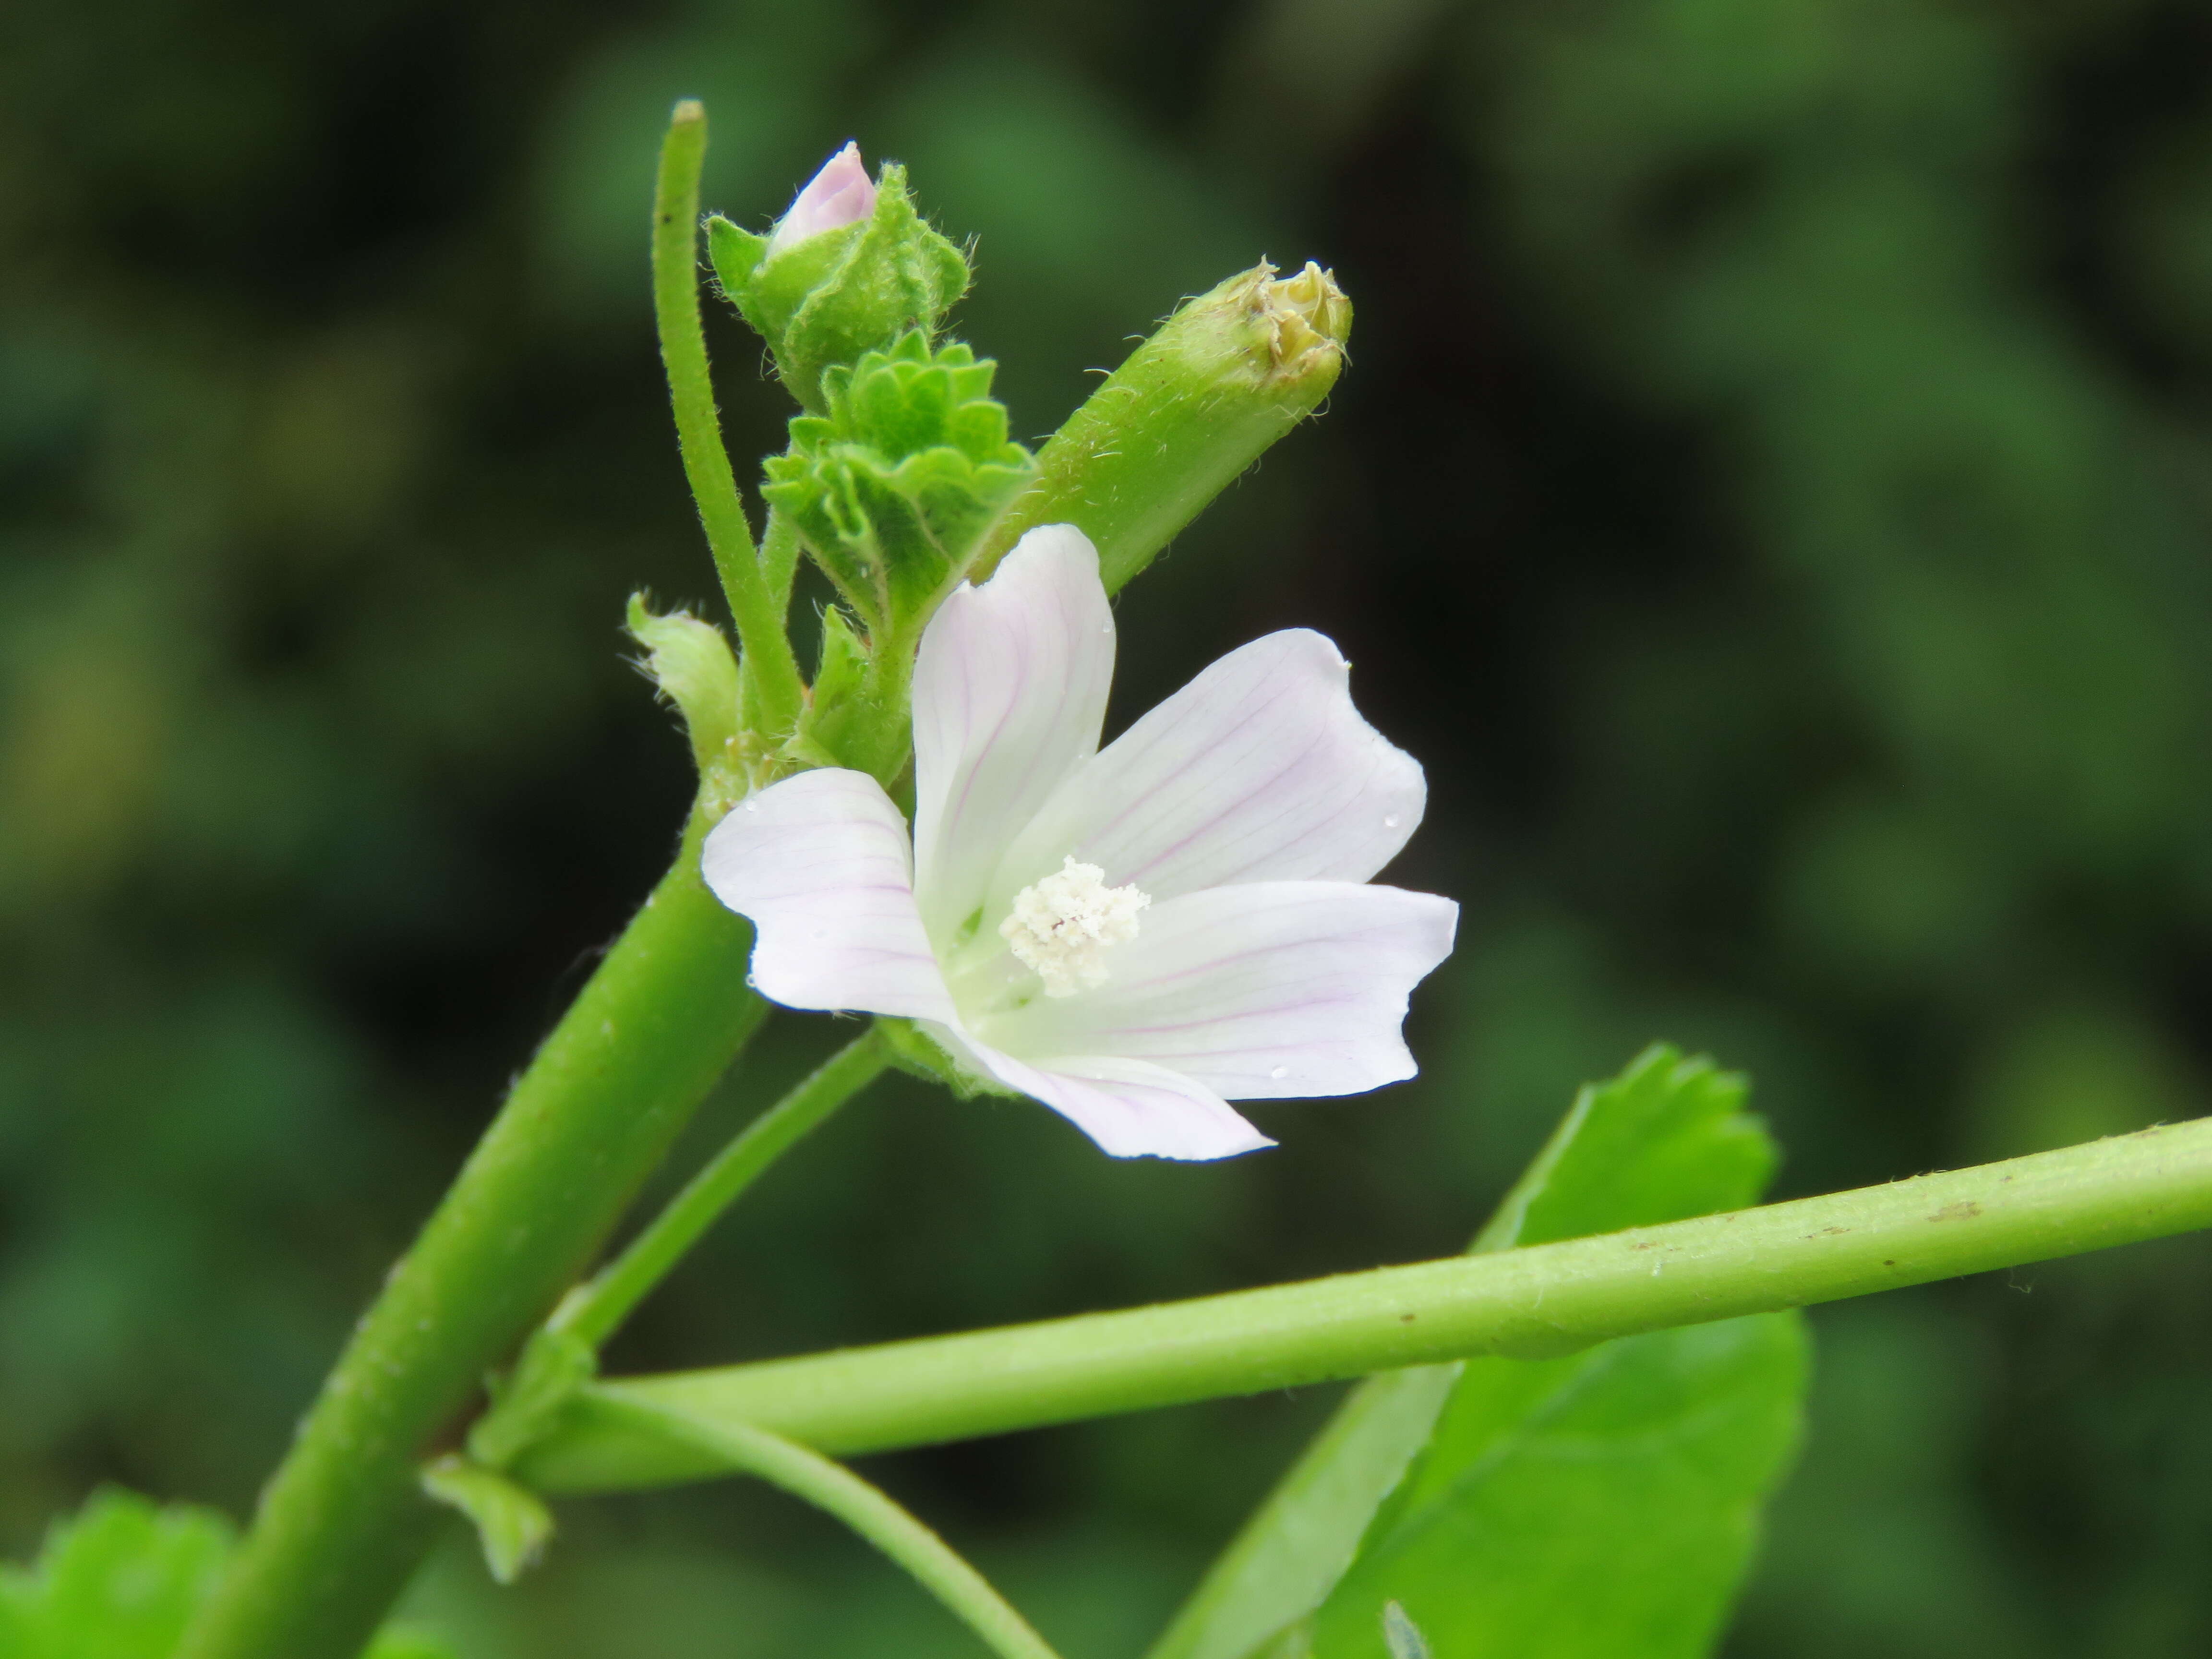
(1605, 1504)
(118, 1580)
(122, 1578)
(1667, 1139)
(512, 1522)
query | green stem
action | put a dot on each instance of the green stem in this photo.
(1527, 1304)
(772, 672)
(343, 1521)
(596, 1311)
(779, 551)
(837, 1491)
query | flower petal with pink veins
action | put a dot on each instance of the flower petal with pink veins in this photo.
(820, 863)
(1009, 693)
(1269, 990)
(1131, 1108)
(1259, 769)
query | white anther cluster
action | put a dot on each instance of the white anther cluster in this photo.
(1061, 926)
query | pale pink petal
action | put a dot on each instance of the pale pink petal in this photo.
(840, 194)
(820, 863)
(1008, 692)
(1263, 991)
(1259, 769)
(1131, 1108)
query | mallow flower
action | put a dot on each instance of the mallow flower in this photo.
(1134, 936)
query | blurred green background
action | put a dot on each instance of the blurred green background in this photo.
(1771, 493)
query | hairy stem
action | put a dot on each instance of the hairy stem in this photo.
(1534, 1302)
(343, 1521)
(772, 672)
(837, 1491)
(597, 1310)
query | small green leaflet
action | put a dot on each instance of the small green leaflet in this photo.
(122, 1578)
(1455, 1491)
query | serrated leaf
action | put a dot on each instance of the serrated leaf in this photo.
(122, 1579)
(118, 1580)
(1666, 1140)
(1601, 1506)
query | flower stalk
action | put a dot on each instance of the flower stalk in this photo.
(771, 672)
(838, 1492)
(597, 1309)
(1523, 1303)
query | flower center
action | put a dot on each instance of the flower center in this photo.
(1061, 926)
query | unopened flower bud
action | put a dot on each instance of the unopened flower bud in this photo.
(850, 269)
(1222, 379)
(840, 195)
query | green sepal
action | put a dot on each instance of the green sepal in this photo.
(895, 487)
(1401, 1635)
(842, 695)
(843, 667)
(826, 300)
(512, 1522)
(918, 1054)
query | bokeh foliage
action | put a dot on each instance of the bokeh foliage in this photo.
(1770, 492)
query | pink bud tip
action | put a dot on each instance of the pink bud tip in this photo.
(840, 194)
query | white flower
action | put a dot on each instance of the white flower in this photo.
(839, 195)
(1135, 935)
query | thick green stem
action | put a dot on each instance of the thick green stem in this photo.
(345, 1521)
(1534, 1302)
(1203, 398)
(772, 673)
(597, 1310)
(837, 1491)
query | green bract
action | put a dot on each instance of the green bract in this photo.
(895, 488)
(829, 298)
